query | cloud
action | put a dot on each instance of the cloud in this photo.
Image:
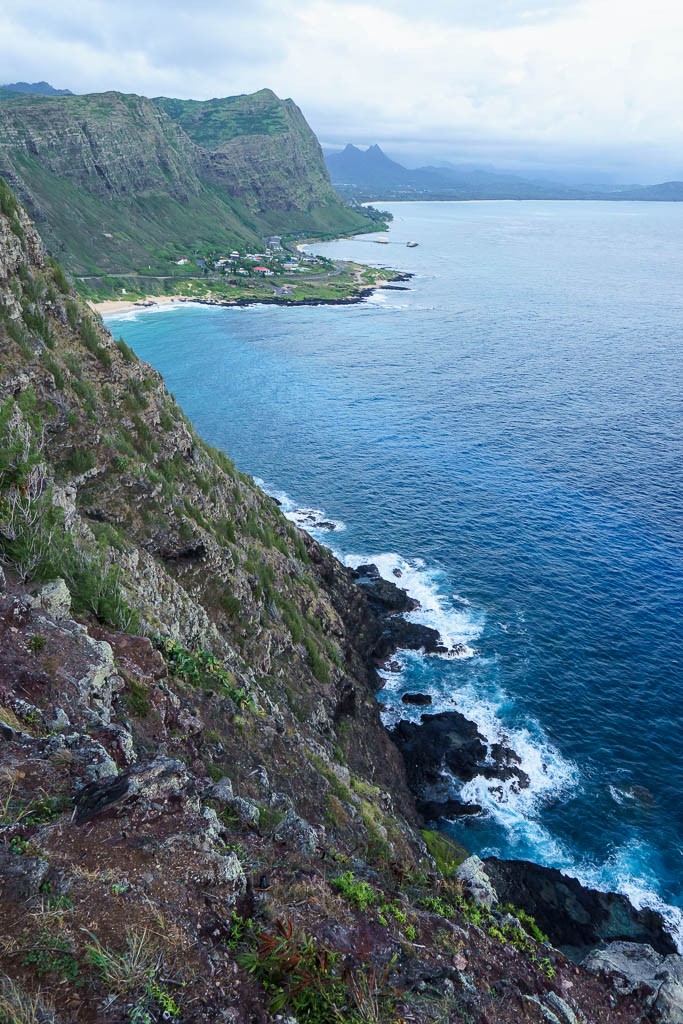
(543, 73)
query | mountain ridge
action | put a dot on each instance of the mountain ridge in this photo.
(117, 184)
(370, 174)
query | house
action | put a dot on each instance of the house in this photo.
(181, 262)
(264, 270)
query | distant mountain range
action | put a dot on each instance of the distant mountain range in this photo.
(36, 89)
(371, 175)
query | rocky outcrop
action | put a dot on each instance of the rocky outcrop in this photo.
(576, 918)
(448, 746)
(634, 968)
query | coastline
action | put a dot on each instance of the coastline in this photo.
(109, 307)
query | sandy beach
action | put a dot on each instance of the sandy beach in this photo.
(128, 305)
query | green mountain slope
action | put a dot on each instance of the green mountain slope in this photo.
(122, 183)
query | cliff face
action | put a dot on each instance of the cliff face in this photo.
(116, 181)
(201, 815)
(247, 141)
(90, 140)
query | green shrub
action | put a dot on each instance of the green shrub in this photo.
(202, 669)
(126, 351)
(357, 892)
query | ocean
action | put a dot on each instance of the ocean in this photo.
(507, 432)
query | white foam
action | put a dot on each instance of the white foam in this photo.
(458, 628)
(516, 810)
(314, 520)
(624, 872)
(166, 307)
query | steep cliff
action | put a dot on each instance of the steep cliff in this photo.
(119, 182)
(201, 816)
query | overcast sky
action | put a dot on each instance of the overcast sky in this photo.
(597, 83)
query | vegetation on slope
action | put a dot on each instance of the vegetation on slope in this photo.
(201, 817)
(121, 184)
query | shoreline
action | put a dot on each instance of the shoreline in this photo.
(151, 302)
(601, 898)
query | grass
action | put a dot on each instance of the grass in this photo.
(20, 1007)
(447, 854)
(358, 893)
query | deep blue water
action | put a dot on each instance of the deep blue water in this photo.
(509, 433)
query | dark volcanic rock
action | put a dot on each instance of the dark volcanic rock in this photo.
(368, 571)
(21, 877)
(432, 810)
(449, 741)
(575, 918)
(420, 699)
(385, 598)
(399, 634)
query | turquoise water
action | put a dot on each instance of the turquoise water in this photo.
(508, 433)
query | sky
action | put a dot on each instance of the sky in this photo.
(565, 86)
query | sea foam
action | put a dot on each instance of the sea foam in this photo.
(517, 811)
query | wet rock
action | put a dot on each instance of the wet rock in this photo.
(53, 599)
(399, 634)
(476, 882)
(385, 598)
(450, 808)
(367, 571)
(296, 832)
(21, 877)
(576, 919)
(421, 699)
(449, 741)
(3, 581)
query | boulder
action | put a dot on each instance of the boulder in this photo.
(53, 599)
(21, 877)
(162, 782)
(420, 699)
(636, 968)
(296, 832)
(399, 634)
(476, 882)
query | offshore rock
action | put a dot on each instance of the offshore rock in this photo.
(420, 699)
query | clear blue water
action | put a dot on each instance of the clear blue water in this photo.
(509, 433)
